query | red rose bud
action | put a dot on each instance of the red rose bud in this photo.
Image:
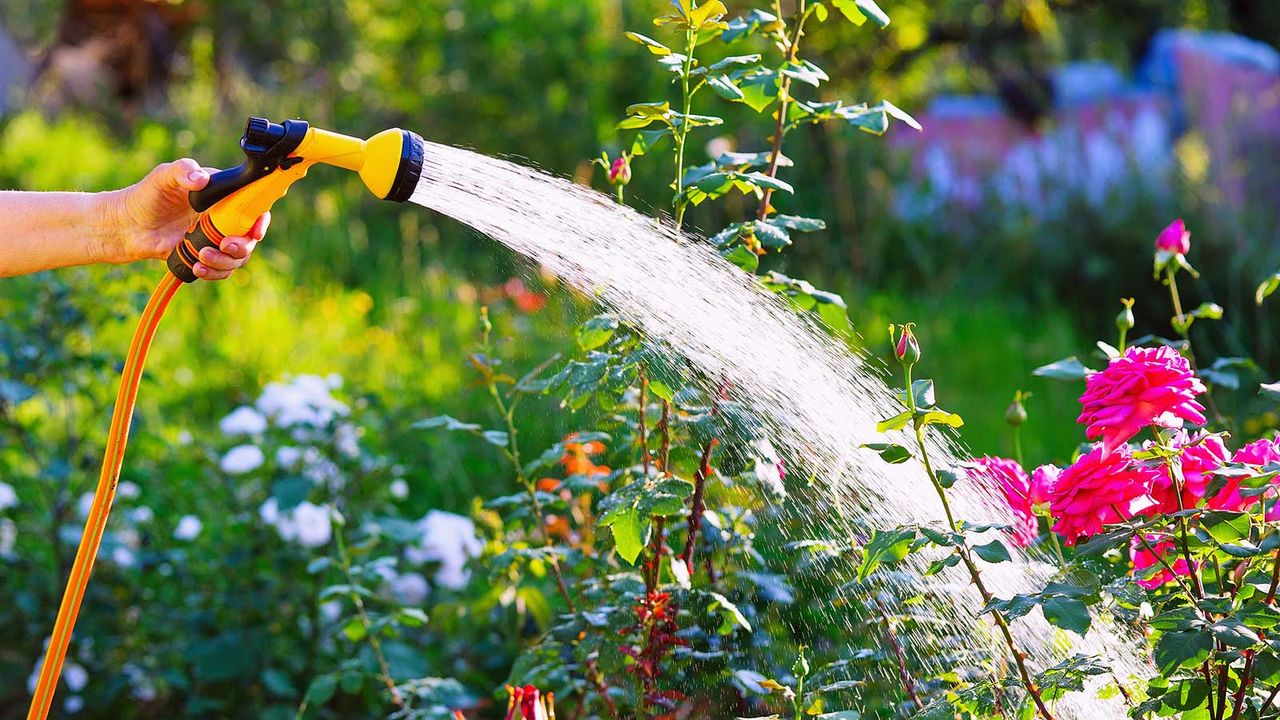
(620, 170)
(907, 349)
(1175, 238)
(524, 703)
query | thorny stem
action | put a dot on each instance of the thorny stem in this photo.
(908, 684)
(375, 644)
(698, 505)
(784, 101)
(1246, 675)
(690, 44)
(963, 551)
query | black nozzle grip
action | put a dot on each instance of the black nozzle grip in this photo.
(260, 159)
(183, 259)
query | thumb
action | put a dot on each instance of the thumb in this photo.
(185, 174)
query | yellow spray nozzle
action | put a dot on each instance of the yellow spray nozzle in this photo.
(278, 155)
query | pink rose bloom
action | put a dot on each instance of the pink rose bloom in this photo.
(1042, 482)
(1144, 559)
(1174, 238)
(1201, 455)
(1258, 453)
(1099, 488)
(1011, 480)
(1145, 386)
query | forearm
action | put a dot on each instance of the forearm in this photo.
(43, 231)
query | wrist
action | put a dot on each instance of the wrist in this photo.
(109, 234)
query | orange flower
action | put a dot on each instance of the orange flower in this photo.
(549, 484)
(577, 458)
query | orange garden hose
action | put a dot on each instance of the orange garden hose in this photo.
(96, 524)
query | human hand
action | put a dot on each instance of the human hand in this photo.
(147, 220)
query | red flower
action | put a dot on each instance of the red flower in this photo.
(1099, 488)
(620, 170)
(1145, 386)
(525, 703)
(1012, 482)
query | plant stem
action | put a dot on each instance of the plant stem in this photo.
(374, 643)
(698, 505)
(686, 97)
(908, 685)
(974, 574)
(784, 101)
(1185, 333)
(1017, 445)
(1246, 675)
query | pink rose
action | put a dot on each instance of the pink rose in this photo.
(1175, 238)
(1100, 488)
(1145, 386)
(1201, 455)
(1012, 482)
(1144, 559)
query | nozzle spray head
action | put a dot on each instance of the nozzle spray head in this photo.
(393, 164)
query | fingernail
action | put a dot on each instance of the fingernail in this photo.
(200, 269)
(197, 175)
(206, 254)
(232, 247)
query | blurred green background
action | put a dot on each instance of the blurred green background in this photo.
(389, 296)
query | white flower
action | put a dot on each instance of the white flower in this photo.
(331, 610)
(307, 524)
(345, 440)
(8, 498)
(312, 524)
(305, 400)
(75, 676)
(399, 489)
(270, 511)
(450, 540)
(141, 515)
(409, 588)
(84, 504)
(128, 491)
(123, 557)
(244, 420)
(769, 467)
(287, 456)
(73, 704)
(8, 537)
(189, 527)
(242, 459)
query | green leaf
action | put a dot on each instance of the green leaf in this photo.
(1268, 286)
(860, 11)
(1208, 311)
(1234, 633)
(647, 140)
(1226, 527)
(799, 224)
(447, 422)
(596, 332)
(735, 60)
(1186, 648)
(890, 453)
(805, 72)
(897, 422)
(321, 690)
(629, 528)
(652, 45)
(992, 552)
(901, 115)
(886, 547)
(771, 237)
(732, 616)
(1270, 391)
(759, 89)
(725, 88)
(1068, 613)
(922, 393)
(1066, 369)
(941, 417)
(496, 437)
(742, 257)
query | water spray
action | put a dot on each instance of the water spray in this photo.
(276, 156)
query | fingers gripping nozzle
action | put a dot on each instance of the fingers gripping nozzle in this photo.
(279, 154)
